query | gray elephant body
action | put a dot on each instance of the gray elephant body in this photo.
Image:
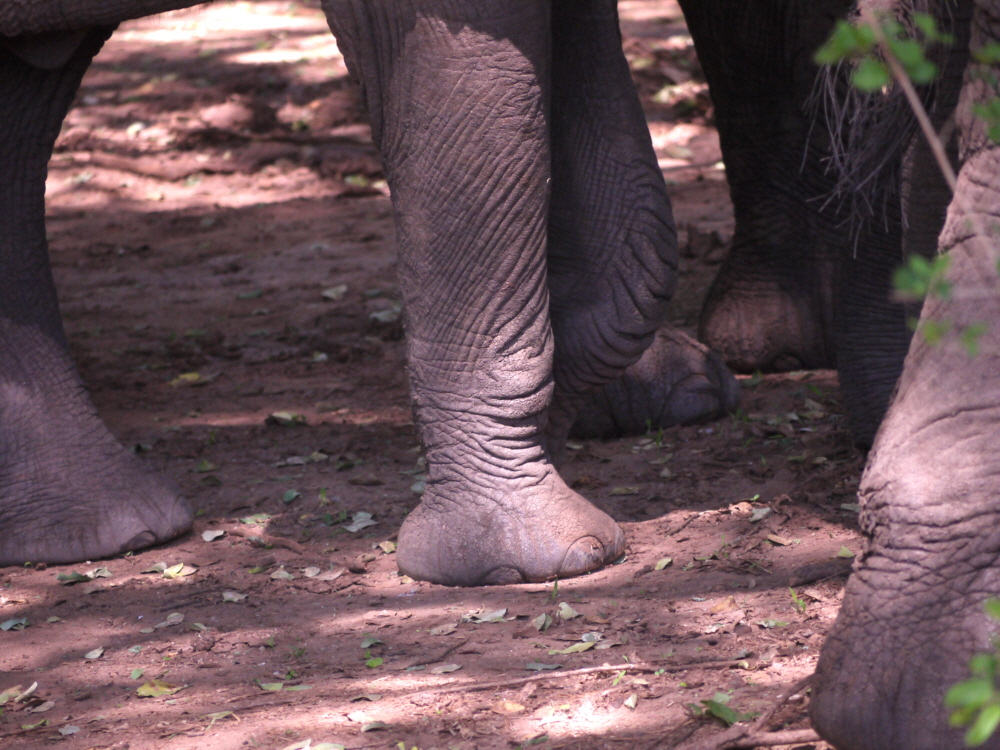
(912, 615)
(537, 256)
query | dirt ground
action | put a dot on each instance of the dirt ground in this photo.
(223, 244)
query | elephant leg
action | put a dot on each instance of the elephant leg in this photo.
(872, 333)
(458, 97)
(676, 381)
(68, 490)
(612, 246)
(771, 305)
(912, 614)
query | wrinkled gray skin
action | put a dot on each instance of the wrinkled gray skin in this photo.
(912, 614)
(806, 282)
(537, 254)
(930, 497)
(502, 342)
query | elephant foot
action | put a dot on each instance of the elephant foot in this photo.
(913, 610)
(69, 492)
(677, 381)
(766, 328)
(903, 637)
(527, 533)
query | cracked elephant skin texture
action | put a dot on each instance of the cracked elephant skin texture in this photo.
(913, 614)
(537, 254)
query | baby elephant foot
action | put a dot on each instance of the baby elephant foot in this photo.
(65, 501)
(677, 381)
(528, 531)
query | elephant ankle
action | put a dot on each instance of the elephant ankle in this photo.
(766, 328)
(516, 530)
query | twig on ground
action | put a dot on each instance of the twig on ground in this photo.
(440, 657)
(590, 670)
(266, 540)
(745, 736)
(747, 739)
(684, 525)
(782, 698)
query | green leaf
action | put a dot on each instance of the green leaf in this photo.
(962, 717)
(927, 25)
(870, 75)
(722, 711)
(969, 693)
(983, 665)
(969, 338)
(156, 688)
(290, 495)
(663, 563)
(773, 623)
(576, 648)
(909, 52)
(984, 726)
(718, 708)
(843, 43)
(68, 579)
(271, 687)
(988, 54)
(934, 331)
(922, 72)
(920, 277)
(374, 662)
(992, 607)
(136, 673)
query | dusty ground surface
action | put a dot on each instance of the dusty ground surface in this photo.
(224, 251)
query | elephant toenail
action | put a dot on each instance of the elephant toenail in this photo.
(588, 553)
(140, 540)
(504, 576)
